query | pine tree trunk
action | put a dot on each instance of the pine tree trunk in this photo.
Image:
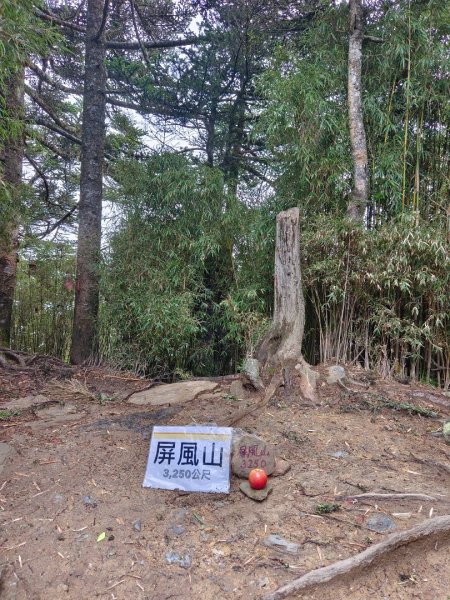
(360, 193)
(84, 336)
(12, 157)
(283, 343)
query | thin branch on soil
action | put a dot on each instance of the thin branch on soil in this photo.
(438, 525)
(432, 463)
(376, 496)
(111, 587)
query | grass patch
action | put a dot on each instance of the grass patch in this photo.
(5, 415)
(326, 507)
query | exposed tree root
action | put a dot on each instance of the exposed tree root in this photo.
(274, 384)
(14, 356)
(438, 525)
(395, 496)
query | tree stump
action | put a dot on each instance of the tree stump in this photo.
(283, 343)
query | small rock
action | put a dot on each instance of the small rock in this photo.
(182, 560)
(281, 467)
(263, 582)
(26, 402)
(89, 501)
(58, 498)
(238, 390)
(137, 525)
(258, 495)
(111, 553)
(279, 543)
(251, 370)
(250, 452)
(178, 529)
(62, 587)
(7, 452)
(335, 374)
(60, 537)
(380, 523)
(338, 454)
(308, 380)
(82, 537)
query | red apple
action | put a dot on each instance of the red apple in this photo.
(257, 479)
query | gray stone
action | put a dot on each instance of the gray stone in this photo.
(58, 498)
(251, 452)
(278, 543)
(335, 374)
(56, 413)
(25, 402)
(308, 380)
(251, 371)
(173, 393)
(281, 467)
(182, 560)
(137, 525)
(7, 452)
(178, 529)
(238, 390)
(89, 501)
(338, 454)
(380, 523)
(257, 495)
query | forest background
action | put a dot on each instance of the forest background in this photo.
(195, 123)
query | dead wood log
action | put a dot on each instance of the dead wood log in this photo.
(274, 384)
(396, 496)
(432, 527)
(283, 343)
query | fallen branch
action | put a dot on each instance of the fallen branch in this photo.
(432, 527)
(270, 392)
(432, 463)
(376, 496)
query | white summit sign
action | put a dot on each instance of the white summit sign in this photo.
(193, 459)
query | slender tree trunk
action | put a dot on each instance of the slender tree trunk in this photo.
(283, 343)
(11, 159)
(84, 336)
(360, 192)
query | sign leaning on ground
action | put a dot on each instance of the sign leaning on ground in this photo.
(193, 459)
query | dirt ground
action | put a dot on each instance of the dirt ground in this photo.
(76, 467)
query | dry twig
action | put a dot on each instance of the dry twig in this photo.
(376, 496)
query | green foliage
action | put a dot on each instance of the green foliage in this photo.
(406, 112)
(326, 508)
(172, 300)
(377, 296)
(6, 415)
(43, 307)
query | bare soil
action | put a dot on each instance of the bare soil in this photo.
(96, 445)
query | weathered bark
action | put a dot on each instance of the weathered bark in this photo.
(360, 192)
(283, 343)
(11, 159)
(90, 206)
